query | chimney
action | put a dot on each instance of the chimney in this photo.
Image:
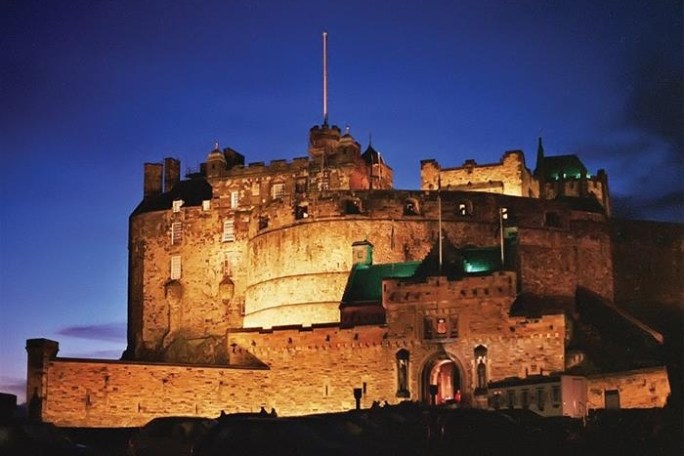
(171, 173)
(153, 179)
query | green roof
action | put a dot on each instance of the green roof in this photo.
(365, 281)
(564, 167)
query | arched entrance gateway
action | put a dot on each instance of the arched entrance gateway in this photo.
(441, 381)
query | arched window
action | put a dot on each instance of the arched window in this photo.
(402, 373)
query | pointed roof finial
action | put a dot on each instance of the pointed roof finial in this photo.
(370, 139)
(347, 129)
(216, 144)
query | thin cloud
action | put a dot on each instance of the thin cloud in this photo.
(107, 332)
(13, 385)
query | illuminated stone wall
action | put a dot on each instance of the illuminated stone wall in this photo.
(293, 271)
(510, 176)
(643, 388)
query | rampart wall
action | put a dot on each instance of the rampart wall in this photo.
(509, 177)
(292, 270)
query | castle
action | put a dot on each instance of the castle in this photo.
(312, 284)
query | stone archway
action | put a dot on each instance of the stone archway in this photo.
(444, 374)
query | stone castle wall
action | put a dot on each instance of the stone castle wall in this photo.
(510, 176)
(642, 388)
(293, 271)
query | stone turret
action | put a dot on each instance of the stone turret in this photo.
(323, 140)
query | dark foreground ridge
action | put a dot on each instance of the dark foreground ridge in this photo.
(404, 429)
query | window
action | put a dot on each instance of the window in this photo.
(255, 189)
(177, 204)
(465, 208)
(525, 398)
(228, 230)
(301, 211)
(300, 185)
(496, 401)
(511, 398)
(410, 207)
(402, 373)
(176, 233)
(234, 199)
(263, 222)
(351, 206)
(206, 205)
(556, 395)
(541, 398)
(277, 191)
(440, 327)
(175, 267)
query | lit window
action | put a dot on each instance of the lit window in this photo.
(176, 233)
(175, 267)
(277, 191)
(206, 205)
(465, 208)
(177, 204)
(228, 230)
(234, 199)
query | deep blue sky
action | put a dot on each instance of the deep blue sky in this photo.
(90, 90)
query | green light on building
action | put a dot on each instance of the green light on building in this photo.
(477, 266)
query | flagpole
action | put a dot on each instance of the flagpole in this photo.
(439, 209)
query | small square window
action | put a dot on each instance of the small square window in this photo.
(206, 205)
(177, 204)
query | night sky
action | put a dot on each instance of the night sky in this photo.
(90, 90)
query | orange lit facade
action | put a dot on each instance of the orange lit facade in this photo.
(288, 285)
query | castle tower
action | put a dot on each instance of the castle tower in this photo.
(216, 163)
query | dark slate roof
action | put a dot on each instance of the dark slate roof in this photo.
(555, 167)
(610, 341)
(531, 305)
(192, 192)
(372, 156)
(365, 281)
